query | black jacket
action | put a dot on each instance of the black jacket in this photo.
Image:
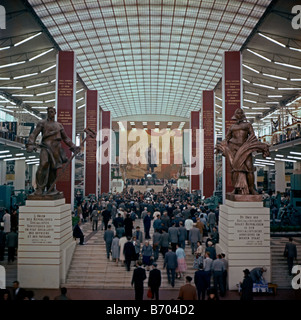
(154, 279)
(139, 276)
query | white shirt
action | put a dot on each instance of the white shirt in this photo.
(188, 224)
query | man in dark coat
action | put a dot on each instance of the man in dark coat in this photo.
(128, 226)
(154, 281)
(147, 224)
(246, 286)
(129, 253)
(290, 252)
(201, 282)
(77, 233)
(106, 214)
(12, 244)
(139, 275)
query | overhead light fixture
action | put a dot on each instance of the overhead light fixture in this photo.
(19, 154)
(27, 39)
(294, 152)
(41, 54)
(25, 76)
(253, 93)
(250, 68)
(169, 123)
(288, 104)
(295, 79)
(33, 101)
(295, 49)
(5, 48)
(22, 95)
(287, 65)
(49, 68)
(79, 99)
(37, 85)
(285, 160)
(260, 108)
(79, 90)
(245, 80)
(11, 159)
(289, 88)
(251, 101)
(272, 102)
(272, 40)
(279, 155)
(6, 156)
(259, 55)
(4, 78)
(11, 64)
(275, 96)
(4, 151)
(263, 86)
(45, 93)
(81, 106)
(217, 105)
(296, 158)
(272, 76)
(47, 101)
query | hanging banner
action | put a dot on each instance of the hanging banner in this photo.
(66, 114)
(91, 167)
(208, 126)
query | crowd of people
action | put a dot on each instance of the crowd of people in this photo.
(173, 220)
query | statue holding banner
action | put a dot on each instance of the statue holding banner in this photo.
(237, 147)
(52, 155)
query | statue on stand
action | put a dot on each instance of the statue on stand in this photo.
(52, 155)
(151, 157)
(237, 147)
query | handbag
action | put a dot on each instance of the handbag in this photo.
(149, 293)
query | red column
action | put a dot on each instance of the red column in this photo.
(232, 99)
(105, 152)
(92, 122)
(66, 114)
(208, 127)
(195, 160)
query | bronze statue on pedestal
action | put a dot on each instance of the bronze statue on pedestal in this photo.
(52, 155)
(237, 147)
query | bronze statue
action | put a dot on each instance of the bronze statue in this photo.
(237, 147)
(52, 155)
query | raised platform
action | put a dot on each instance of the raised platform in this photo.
(244, 229)
(46, 244)
(244, 197)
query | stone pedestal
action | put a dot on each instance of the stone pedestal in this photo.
(183, 184)
(244, 229)
(46, 244)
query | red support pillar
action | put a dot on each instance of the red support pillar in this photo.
(105, 152)
(66, 114)
(195, 148)
(208, 127)
(92, 122)
(232, 99)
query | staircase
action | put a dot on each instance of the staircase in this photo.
(280, 274)
(90, 267)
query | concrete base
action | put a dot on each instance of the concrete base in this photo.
(244, 229)
(46, 244)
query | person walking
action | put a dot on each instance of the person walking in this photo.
(2, 243)
(108, 238)
(115, 249)
(164, 242)
(182, 234)
(182, 267)
(188, 225)
(207, 267)
(128, 226)
(154, 281)
(187, 291)
(147, 252)
(12, 244)
(147, 224)
(139, 275)
(94, 218)
(211, 220)
(6, 221)
(129, 253)
(122, 242)
(106, 216)
(246, 286)
(218, 268)
(171, 263)
(173, 234)
(194, 237)
(290, 253)
(200, 281)
(156, 244)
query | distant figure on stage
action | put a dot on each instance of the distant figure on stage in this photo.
(151, 158)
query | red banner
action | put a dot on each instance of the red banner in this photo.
(194, 126)
(105, 174)
(208, 126)
(232, 98)
(91, 168)
(66, 114)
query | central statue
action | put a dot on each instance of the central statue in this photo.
(237, 147)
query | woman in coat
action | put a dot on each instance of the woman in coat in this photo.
(147, 252)
(122, 242)
(182, 267)
(115, 249)
(246, 286)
